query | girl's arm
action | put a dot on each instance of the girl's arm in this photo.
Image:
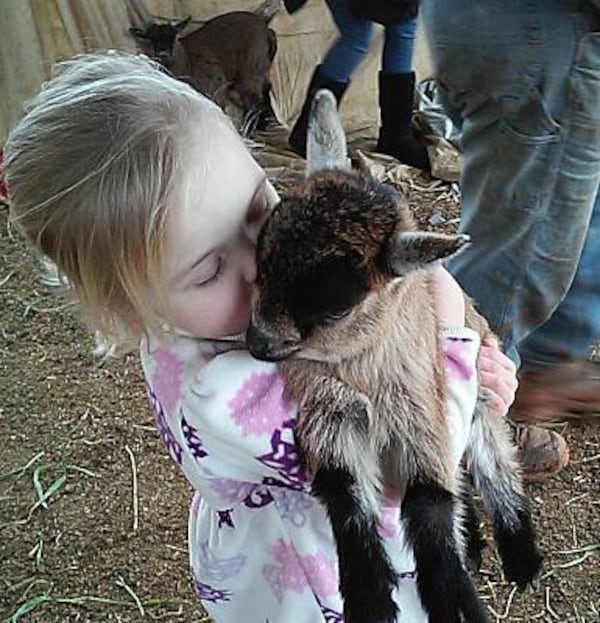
(470, 367)
(496, 372)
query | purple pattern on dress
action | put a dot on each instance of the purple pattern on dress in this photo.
(205, 592)
(224, 518)
(292, 505)
(285, 459)
(408, 575)
(218, 569)
(192, 439)
(246, 493)
(166, 435)
(331, 616)
(258, 497)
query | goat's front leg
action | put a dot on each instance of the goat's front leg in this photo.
(430, 513)
(333, 431)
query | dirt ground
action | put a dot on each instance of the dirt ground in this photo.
(93, 513)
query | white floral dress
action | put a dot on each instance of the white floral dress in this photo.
(261, 547)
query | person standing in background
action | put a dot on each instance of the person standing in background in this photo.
(521, 78)
(355, 20)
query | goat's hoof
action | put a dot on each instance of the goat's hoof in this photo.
(521, 559)
(522, 566)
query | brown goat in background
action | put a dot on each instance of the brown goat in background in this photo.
(343, 300)
(228, 59)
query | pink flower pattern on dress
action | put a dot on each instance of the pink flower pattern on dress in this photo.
(259, 406)
(166, 379)
(389, 521)
(295, 572)
(456, 354)
(292, 573)
(322, 574)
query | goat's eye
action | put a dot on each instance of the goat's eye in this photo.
(335, 316)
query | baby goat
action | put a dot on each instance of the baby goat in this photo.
(228, 59)
(343, 300)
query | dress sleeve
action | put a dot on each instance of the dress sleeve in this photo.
(229, 425)
(460, 347)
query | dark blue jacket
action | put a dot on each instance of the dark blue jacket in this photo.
(382, 11)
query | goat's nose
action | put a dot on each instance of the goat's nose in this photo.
(265, 347)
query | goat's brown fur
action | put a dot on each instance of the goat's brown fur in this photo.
(228, 59)
(365, 344)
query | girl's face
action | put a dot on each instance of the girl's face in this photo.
(212, 230)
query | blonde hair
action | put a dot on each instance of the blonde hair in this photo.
(91, 169)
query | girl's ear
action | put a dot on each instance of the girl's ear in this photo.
(326, 140)
(412, 250)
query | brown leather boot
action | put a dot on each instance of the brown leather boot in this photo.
(563, 391)
(542, 452)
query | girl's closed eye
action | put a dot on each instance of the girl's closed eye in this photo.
(210, 275)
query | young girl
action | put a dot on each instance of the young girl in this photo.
(142, 193)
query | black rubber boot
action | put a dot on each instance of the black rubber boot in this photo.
(297, 139)
(396, 134)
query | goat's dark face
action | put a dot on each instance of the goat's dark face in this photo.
(160, 39)
(320, 264)
(332, 254)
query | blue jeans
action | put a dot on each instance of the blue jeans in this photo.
(522, 80)
(355, 38)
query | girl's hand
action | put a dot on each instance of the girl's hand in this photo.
(497, 375)
(448, 298)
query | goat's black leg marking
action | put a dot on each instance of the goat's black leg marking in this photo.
(333, 430)
(474, 541)
(444, 585)
(367, 577)
(520, 557)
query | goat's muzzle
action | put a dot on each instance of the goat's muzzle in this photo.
(266, 347)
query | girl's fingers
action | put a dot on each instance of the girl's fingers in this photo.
(497, 374)
(497, 405)
(501, 391)
(493, 358)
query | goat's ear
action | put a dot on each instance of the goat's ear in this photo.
(179, 26)
(140, 33)
(407, 251)
(325, 140)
